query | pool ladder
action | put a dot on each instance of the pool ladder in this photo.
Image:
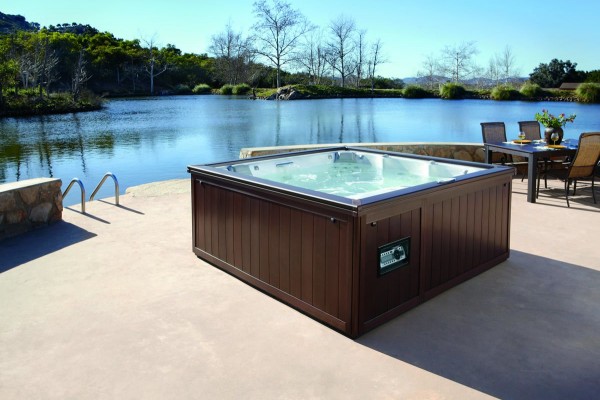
(78, 181)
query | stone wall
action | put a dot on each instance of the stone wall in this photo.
(459, 151)
(29, 204)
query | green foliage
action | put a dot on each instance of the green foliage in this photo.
(555, 73)
(415, 92)
(380, 82)
(226, 89)
(242, 88)
(504, 92)
(532, 90)
(553, 121)
(588, 92)
(593, 76)
(182, 89)
(202, 88)
(452, 90)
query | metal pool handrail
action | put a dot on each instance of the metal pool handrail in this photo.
(102, 182)
(82, 192)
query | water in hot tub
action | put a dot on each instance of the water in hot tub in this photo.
(347, 179)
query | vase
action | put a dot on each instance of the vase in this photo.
(550, 131)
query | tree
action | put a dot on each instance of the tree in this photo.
(556, 72)
(232, 53)
(375, 59)
(313, 57)
(278, 32)
(342, 46)
(80, 75)
(457, 61)
(155, 64)
(506, 64)
(360, 55)
(429, 73)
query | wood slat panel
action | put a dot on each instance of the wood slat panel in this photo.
(208, 219)
(477, 230)
(415, 256)
(246, 234)
(273, 243)
(200, 214)
(437, 237)
(296, 253)
(319, 249)
(229, 234)
(284, 249)
(462, 233)
(454, 236)
(332, 267)
(485, 226)
(255, 238)
(263, 243)
(446, 258)
(237, 230)
(307, 257)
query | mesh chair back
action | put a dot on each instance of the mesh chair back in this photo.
(494, 132)
(531, 129)
(587, 156)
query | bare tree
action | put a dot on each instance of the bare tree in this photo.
(278, 32)
(493, 72)
(360, 55)
(375, 59)
(313, 57)
(80, 75)
(457, 60)
(232, 55)
(506, 64)
(430, 72)
(342, 46)
(154, 65)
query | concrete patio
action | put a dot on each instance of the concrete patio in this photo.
(114, 304)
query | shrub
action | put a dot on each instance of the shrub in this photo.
(504, 92)
(415, 92)
(452, 91)
(182, 89)
(242, 88)
(226, 89)
(532, 90)
(588, 92)
(202, 88)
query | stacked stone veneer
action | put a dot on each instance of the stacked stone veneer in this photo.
(459, 151)
(28, 204)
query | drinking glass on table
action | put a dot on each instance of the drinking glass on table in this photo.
(521, 137)
(554, 137)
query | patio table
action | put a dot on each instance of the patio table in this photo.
(534, 152)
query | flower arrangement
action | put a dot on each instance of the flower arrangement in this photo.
(551, 121)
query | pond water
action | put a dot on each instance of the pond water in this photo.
(149, 139)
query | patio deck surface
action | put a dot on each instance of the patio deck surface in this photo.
(115, 305)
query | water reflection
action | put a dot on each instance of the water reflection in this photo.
(142, 140)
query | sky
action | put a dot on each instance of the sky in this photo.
(536, 31)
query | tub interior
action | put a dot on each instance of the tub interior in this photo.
(352, 174)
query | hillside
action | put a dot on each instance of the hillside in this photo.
(11, 23)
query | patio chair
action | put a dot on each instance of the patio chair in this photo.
(495, 132)
(531, 129)
(583, 166)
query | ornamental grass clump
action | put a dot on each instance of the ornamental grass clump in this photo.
(202, 88)
(415, 92)
(226, 89)
(588, 92)
(504, 92)
(242, 88)
(552, 121)
(532, 90)
(452, 91)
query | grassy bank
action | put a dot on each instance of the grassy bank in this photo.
(29, 103)
(454, 92)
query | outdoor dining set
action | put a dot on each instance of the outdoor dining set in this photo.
(535, 157)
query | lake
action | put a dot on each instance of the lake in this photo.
(150, 139)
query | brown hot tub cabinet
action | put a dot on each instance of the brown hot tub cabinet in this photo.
(351, 263)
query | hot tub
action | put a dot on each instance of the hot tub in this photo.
(352, 237)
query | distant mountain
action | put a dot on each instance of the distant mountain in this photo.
(11, 23)
(483, 82)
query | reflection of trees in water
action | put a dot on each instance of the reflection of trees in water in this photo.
(22, 144)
